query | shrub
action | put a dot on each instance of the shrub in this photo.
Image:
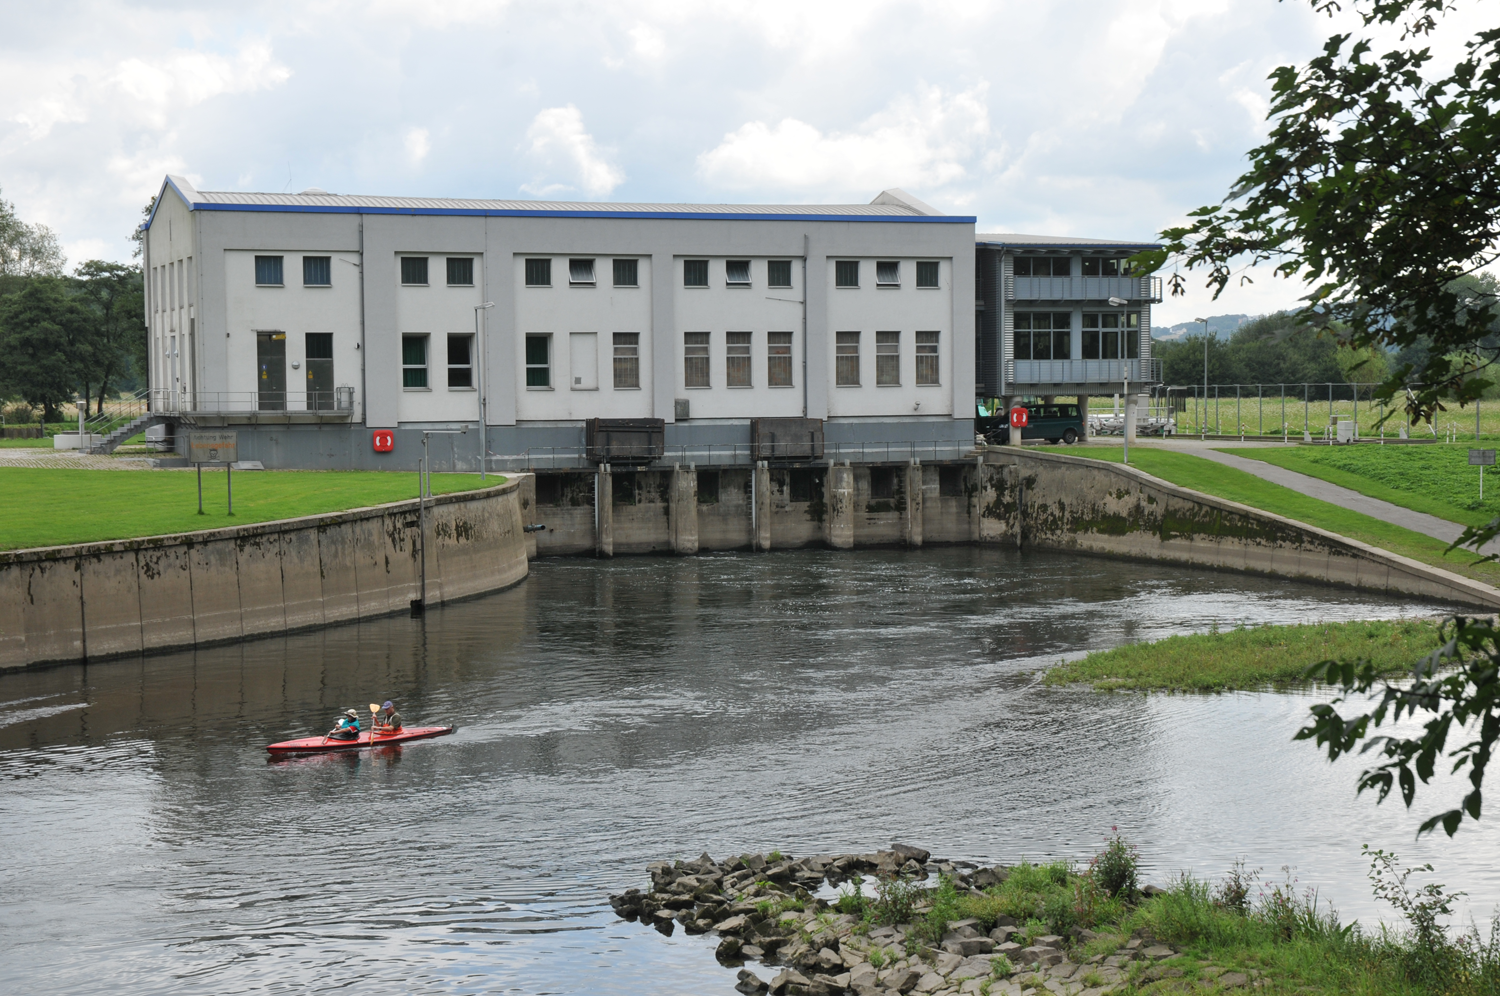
(1233, 893)
(895, 900)
(1114, 868)
(853, 903)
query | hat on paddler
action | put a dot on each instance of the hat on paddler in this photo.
(351, 714)
(388, 705)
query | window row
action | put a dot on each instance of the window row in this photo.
(581, 272)
(887, 359)
(738, 359)
(626, 361)
(415, 348)
(1044, 335)
(460, 271)
(1062, 266)
(887, 273)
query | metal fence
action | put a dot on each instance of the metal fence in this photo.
(1287, 410)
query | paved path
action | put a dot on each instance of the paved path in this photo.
(26, 456)
(1313, 487)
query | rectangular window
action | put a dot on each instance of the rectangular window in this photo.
(1110, 267)
(737, 359)
(414, 270)
(887, 274)
(846, 359)
(1092, 343)
(414, 361)
(1043, 266)
(1090, 266)
(538, 360)
(695, 273)
(737, 272)
(268, 271)
(539, 273)
(625, 273)
(1111, 335)
(779, 273)
(695, 359)
(460, 361)
(627, 359)
(887, 359)
(779, 359)
(580, 271)
(460, 271)
(927, 358)
(846, 273)
(317, 271)
(927, 273)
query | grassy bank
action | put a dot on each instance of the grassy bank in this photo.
(45, 507)
(1247, 489)
(1433, 479)
(1249, 658)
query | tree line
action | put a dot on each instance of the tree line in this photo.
(65, 336)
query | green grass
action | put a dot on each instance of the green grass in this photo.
(45, 507)
(1249, 658)
(1247, 489)
(45, 443)
(1433, 479)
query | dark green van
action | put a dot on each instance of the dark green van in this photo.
(1054, 423)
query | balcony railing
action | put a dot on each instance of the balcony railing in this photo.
(1137, 290)
(1022, 372)
(286, 405)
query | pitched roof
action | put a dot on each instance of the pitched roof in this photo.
(890, 205)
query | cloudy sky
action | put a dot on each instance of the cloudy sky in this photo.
(1102, 118)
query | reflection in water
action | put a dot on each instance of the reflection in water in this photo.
(615, 713)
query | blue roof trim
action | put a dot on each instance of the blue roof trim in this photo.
(516, 213)
(146, 225)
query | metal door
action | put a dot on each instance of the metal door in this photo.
(270, 362)
(320, 371)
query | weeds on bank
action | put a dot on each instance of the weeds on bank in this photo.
(1244, 922)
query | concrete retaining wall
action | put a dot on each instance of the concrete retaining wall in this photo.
(73, 603)
(1052, 501)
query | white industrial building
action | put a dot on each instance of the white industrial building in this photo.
(309, 321)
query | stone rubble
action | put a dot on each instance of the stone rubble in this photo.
(818, 951)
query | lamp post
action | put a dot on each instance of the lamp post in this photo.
(1120, 302)
(1203, 424)
(484, 402)
(419, 607)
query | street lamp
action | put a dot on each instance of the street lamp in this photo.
(484, 404)
(1203, 424)
(1120, 302)
(424, 485)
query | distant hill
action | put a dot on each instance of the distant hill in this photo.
(1220, 326)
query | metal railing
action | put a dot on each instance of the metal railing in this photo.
(1307, 410)
(732, 455)
(1143, 372)
(118, 412)
(337, 402)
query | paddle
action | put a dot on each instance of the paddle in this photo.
(373, 710)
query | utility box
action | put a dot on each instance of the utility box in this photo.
(625, 440)
(786, 438)
(1345, 430)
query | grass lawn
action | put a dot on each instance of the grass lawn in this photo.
(1433, 479)
(1249, 658)
(1247, 489)
(45, 507)
(45, 443)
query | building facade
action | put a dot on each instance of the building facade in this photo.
(310, 321)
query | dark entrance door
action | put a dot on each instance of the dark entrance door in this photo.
(270, 380)
(320, 371)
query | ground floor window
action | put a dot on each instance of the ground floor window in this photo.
(627, 359)
(779, 359)
(414, 361)
(737, 359)
(887, 359)
(927, 358)
(695, 359)
(539, 360)
(846, 359)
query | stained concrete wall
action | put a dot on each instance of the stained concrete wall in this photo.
(95, 600)
(1051, 501)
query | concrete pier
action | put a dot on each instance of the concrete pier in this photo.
(839, 506)
(604, 512)
(911, 513)
(682, 510)
(762, 513)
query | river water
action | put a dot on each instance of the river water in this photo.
(615, 713)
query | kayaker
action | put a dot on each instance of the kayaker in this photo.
(347, 728)
(388, 720)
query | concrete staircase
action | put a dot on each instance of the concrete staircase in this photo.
(138, 424)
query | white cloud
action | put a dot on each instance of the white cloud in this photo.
(418, 144)
(569, 156)
(928, 140)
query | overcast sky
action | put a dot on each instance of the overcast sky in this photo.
(1098, 118)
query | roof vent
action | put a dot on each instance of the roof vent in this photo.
(312, 190)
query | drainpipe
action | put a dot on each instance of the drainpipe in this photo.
(364, 397)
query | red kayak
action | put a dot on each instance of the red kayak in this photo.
(315, 745)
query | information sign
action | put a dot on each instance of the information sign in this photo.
(213, 447)
(1481, 458)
